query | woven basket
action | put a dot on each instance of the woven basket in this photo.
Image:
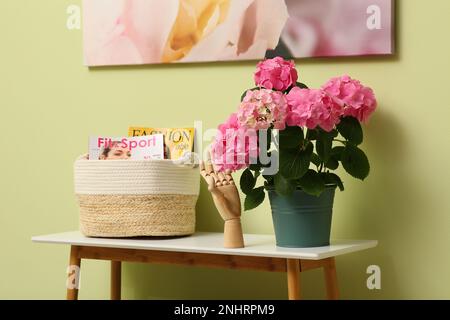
(128, 198)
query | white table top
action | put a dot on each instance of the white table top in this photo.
(207, 242)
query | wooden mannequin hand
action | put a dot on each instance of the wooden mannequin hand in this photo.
(223, 190)
(227, 201)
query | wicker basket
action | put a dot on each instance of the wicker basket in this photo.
(128, 198)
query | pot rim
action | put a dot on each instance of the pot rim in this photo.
(327, 186)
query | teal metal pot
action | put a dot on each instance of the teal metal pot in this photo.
(302, 220)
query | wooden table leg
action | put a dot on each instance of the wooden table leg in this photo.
(331, 279)
(293, 278)
(73, 280)
(116, 277)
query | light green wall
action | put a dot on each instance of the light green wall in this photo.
(50, 103)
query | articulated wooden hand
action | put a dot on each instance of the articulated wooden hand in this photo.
(226, 198)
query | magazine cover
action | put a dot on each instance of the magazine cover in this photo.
(177, 141)
(123, 148)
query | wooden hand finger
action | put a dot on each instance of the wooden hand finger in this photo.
(209, 168)
(229, 177)
(222, 179)
(203, 172)
(217, 180)
(202, 166)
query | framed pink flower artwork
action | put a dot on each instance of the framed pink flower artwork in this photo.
(127, 32)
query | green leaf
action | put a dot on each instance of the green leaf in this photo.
(323, 145)
(255, 167)
(291, 137)
(294, 163)
(247, 181)
(301, 85)
(355, 162)
(269, 181)
(332, 163)
(297, 84)
(334, 133)
(336, 152)
(311, 134)
(254, 198)
(245, 93)
(315, 160)
(350, 129)
(312, 183)
(268, 178)
(331, 178)
(283, 186)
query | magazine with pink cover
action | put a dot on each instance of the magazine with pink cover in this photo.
(125, 148)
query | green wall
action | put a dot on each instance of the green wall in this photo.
(50, 103)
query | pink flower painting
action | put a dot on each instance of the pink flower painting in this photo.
(123, 32)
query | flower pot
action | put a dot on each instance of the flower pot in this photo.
(302, 220)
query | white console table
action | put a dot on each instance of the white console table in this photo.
(206, 249)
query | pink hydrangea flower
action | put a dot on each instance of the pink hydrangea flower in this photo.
(234, 147)
(276, 74)
(263, 108)
(311, 108)
(357, 100)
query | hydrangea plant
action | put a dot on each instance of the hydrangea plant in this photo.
(319, 130)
